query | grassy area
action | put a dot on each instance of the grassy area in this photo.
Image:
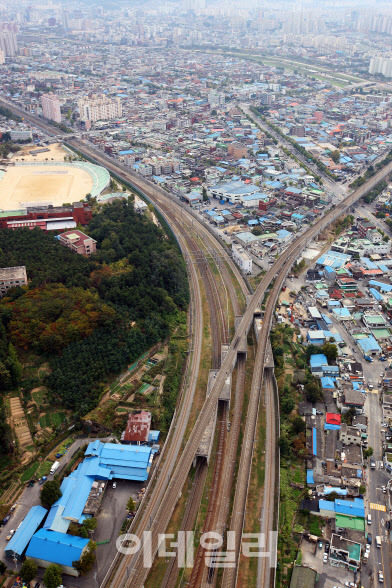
(30, 472)
(290, 360)
(44, 469)
(39, 396)
(52, 419)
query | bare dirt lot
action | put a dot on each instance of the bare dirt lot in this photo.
(32, 184)
(52, 152)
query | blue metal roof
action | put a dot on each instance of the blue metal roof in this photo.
(28, 527)
(327, 382)
(369, 344)
(309, 477)
(314, 440)
(55, 547)
(353, 508)
(318, 359)
(330, 489)
(329, 427)
(375, 294)
(129, 462)
(383, 287)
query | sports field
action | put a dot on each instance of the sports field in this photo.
(25, 185)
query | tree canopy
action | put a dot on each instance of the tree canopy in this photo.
(53, 576)
(90, 316)
(50, 493)
(29, 570)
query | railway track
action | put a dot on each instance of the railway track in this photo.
(135, 573)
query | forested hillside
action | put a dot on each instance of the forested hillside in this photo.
(90, 317)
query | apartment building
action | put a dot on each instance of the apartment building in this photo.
(11, 277)
(51, 107)
(99, 107)
(78, 242)
(242, 259)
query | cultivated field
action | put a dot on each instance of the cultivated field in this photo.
(26, 185)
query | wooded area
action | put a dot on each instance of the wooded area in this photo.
(90, 317)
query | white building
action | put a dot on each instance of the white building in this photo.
(21, 135)
(51, 107)
(11, 277)
(242, 259)
(99, 108)
(382, 65)
(8, 43)
(215, 99)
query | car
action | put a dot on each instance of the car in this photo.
(325, 557)
(326, 547)
(384, 489)
(11, 533)
(380, 576)
(114, 484)
(350, 584)
(369, 538)
(320, 545)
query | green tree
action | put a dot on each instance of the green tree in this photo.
(205, 197)
(330, 351)
(368, 452)
(87, 560)
(53, 576)
(335, 156)
(285, 446)
(312, 390)
(3, 568)
(29, 570)
(362, 489)
(298, 425)
(50, 493)
(131, 506)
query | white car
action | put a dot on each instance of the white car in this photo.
(380, 576)
(350, 584)
(114, 484)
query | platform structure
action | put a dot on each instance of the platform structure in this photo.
(242, 346)
(269, 357)
(206, 443)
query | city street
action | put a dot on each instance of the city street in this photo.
(376, 503)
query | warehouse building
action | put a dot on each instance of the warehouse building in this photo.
(18, 543)
(48, 547)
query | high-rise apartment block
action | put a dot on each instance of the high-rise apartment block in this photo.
(51, 107)
(99, 108)
(8, 43)
(382, 65)
(216, 99)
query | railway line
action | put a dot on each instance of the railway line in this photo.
(131, 571)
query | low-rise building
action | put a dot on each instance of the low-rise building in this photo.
(78, 242)
(10, 277)
(344, 553)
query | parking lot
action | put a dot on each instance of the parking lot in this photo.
(328, 576)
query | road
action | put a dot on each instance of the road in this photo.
(379, 558)
(337, 189)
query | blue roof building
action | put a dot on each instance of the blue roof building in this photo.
(47, 547)
(29, 525)
(126, 462)
(369, 345)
